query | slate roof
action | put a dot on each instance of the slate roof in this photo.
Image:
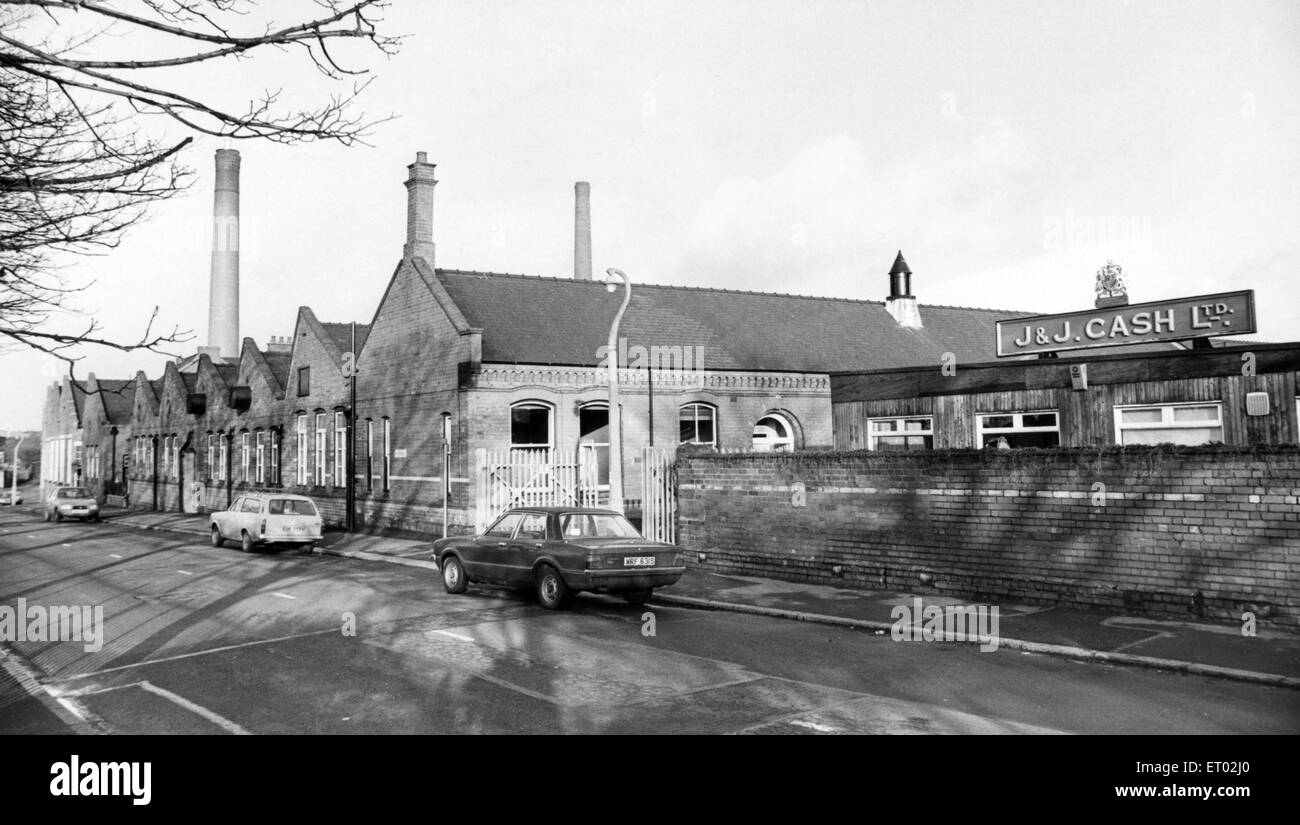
(534, 320)
(341, 335)
(118, 398)
(278, 363)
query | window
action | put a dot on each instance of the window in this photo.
(370, 454)
(900, 434)
(388, 452)
(290, 507)
(322, 454)
(275, 456)
(261, 458)
(593, 444)
(245, 457)
(696, 424)
(340, 448)
(505, 526)
(1028, 429)
(1169, 424)
(252, 504)
(223, 455)
(773, 433)
(212, 457)
(533, 526)
(530, 427)
(304, 381)
(302, 449)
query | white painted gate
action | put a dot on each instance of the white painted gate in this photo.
(659, 494)
(530, 478)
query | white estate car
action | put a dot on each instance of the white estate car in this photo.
(267, 518)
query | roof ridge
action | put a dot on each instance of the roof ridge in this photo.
(835, 299)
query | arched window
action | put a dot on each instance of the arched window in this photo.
(593, 444)
(697, 424)
(531, 426)
(773, 433)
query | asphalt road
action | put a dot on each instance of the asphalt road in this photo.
(204, 640)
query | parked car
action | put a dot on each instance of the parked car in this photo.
(71, 502)
(267, 518)
(560, 551)
(10, 497)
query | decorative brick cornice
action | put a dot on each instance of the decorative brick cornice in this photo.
(502, 376)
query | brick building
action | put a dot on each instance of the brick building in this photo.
(517, 368)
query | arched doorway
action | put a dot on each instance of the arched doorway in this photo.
(773, 433)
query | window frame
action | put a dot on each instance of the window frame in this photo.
(713, 409)
(245, 456)
(533, 404)
(388, 454)
(370, 455)
(321, 465)
(982, 433)
(1167, 419)
(304, 382)
(872, 436)
(340, 448)
(260, 463)
(300, 442)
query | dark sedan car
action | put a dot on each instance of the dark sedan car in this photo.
(560, 551)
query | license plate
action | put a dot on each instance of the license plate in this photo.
(638, 561)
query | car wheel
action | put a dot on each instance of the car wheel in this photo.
(307, 549)
(552, 592)
(638, 596)
(45, 516)
(245, 542)
(215, 537)
(58, 516)
(453, 575)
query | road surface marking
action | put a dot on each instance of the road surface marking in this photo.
(185, 572)
(804, 723)
(114, 556)
(66, 545)
(283, 595)
(215, 718)
(72, 708)
(221, 649)
(460, 636)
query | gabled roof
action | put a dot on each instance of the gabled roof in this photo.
(534, 320)
(341, 335)
(278, 364)
(118, 398)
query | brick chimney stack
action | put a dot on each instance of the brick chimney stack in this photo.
(419, 209)
(582, 231)
(223, 294)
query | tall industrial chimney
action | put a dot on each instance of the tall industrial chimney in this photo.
(223, 296)
(582, 231)
(419, 209)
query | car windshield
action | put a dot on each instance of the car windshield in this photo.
(291, 507)
(74, 492)
(597, 526)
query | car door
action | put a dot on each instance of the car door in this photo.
(524, 548)
(225, 519)
(486, 557)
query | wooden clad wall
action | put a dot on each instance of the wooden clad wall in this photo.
(1087, 417)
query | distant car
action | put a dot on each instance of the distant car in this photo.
(71, 502)
(10, 497)
(560, 551)
(267, 518)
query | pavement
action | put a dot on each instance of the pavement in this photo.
(1271, 656)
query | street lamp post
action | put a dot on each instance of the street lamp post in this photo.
(615, 409)
(13, 500)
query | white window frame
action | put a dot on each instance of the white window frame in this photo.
(775, 445)
(245, 456)
(260, 464)
(370, 454)
(550, 425)
(1166, 421)
(388, 453)
(303, 456)
(340, 447)
(223, 455)
(873, 436)
(275, 456)
(212, 456)
(322, 450)
(696, 419)
(587, 445)
(982, 433)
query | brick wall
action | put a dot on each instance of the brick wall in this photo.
(1206, 531)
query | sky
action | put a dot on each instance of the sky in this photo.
(1008, 149)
